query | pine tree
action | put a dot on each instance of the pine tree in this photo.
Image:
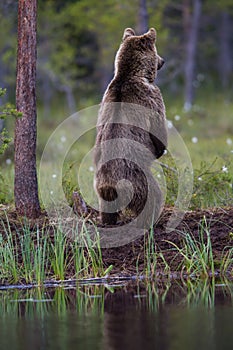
(26, 186)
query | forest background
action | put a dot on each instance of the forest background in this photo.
(77, 42)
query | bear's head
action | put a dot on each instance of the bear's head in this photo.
(137, 56)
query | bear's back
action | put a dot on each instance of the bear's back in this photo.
(134, 90)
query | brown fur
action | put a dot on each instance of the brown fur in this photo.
(130, 135)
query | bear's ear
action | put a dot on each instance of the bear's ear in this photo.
(128, 32)
(151, 34)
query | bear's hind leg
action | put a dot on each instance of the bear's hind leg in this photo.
(109, 218)
(107, 205)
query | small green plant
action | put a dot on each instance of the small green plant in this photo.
(89, 253)
(226, 262)
(41, 269)
(8, 255)
(150, 254)
(23, 254)
(27, 254)
(59, 258)
(197, 252)
(6, 111)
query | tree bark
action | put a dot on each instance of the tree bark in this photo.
(26, 186)
(143, 18)
(225, 60)
(70, 98)
(1, 125)
(191, 26)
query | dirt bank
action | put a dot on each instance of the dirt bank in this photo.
(218, 221)
(131, 259)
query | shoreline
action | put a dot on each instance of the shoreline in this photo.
(201, 246)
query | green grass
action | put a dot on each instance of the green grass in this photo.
(194, 252)
(32, 255)
(8, 255)
(226, 262)
(87, 254)
(153, 257)
(150, 254)
(197, 254)
(59, 258)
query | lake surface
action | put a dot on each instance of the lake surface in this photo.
(121, 316)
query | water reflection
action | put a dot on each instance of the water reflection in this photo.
(191, 315)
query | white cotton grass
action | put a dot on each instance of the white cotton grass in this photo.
(177, 117)
(194, 139)
(229, 141)
(8, 161)
(169, 124)
(63, 139)
(54, 176)
(224, 169)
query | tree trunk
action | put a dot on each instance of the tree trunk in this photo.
(105, 77)
(143, 19)
(191, 26)
(70, 98)
(1, 125)
(225, 61)
(26, 187)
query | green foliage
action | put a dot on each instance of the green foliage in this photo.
(4, 141)
(6, 185)
(76, 45)
(77, 41)
(6, 111)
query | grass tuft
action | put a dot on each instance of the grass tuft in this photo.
(197, 252)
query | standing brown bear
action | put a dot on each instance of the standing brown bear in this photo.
(131, 133)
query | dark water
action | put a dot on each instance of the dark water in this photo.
(194, 316)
